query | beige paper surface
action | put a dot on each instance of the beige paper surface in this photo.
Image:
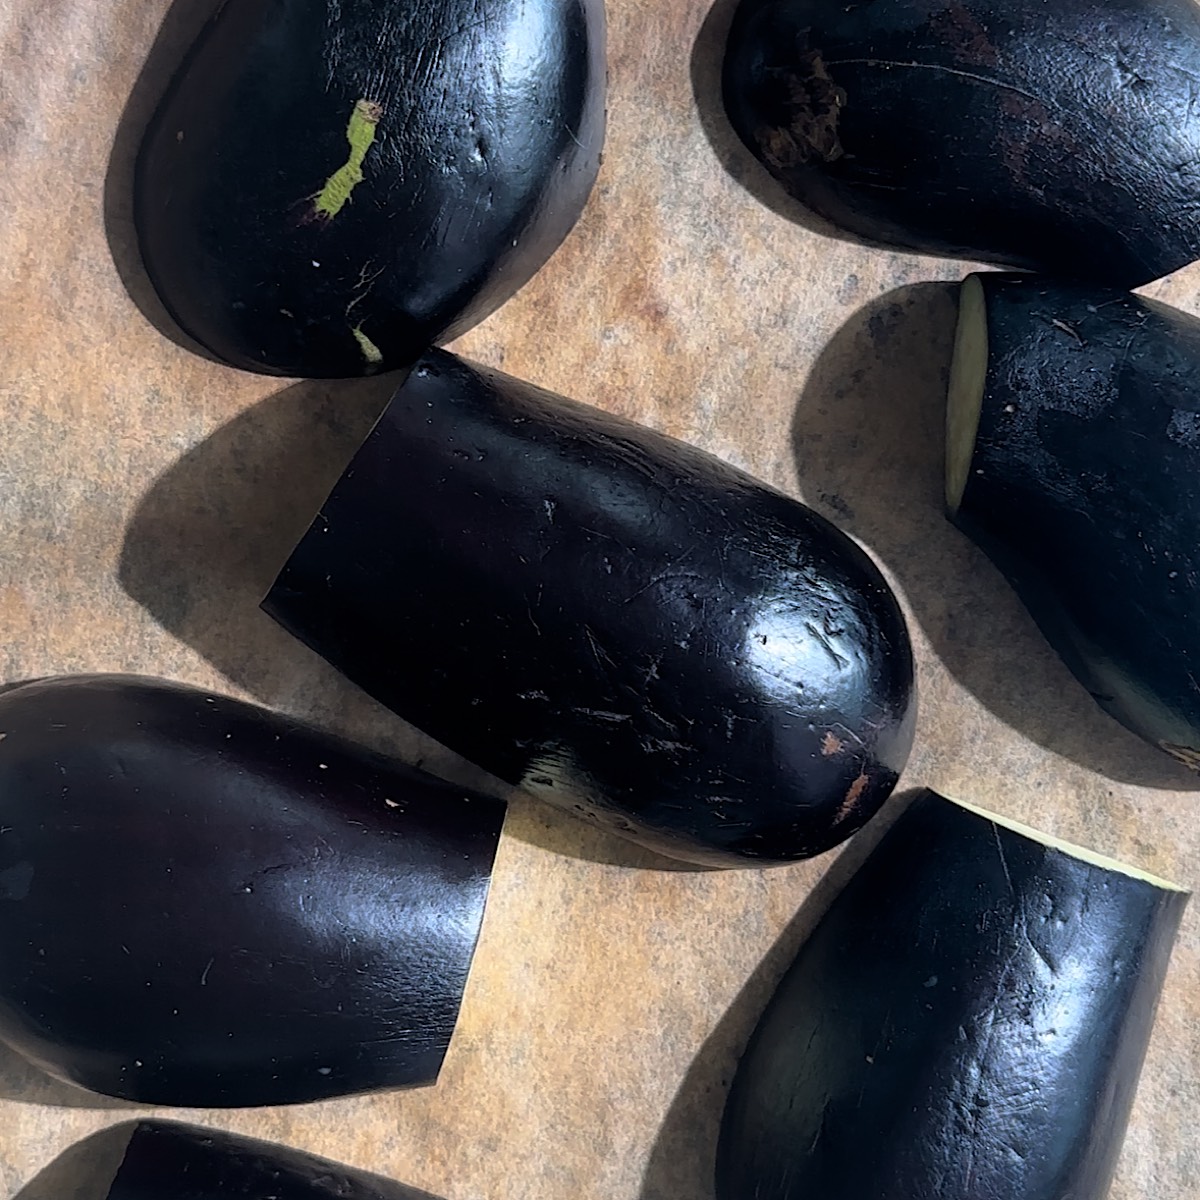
(147, 497)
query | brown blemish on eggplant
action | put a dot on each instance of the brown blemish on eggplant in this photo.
(1032, 127)
(850, 803)
(831, 744)
(964, 34)
(812, 107)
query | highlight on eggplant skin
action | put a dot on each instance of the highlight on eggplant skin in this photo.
(1061, 138)
(205, 903)
(1073, 460)
(168, 1160)
(968, 1019)
(620, 623)
(328, 188)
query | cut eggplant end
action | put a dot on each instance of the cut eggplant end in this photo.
(964, 401)
(969, 964)
(1064, 847)
(211, 805)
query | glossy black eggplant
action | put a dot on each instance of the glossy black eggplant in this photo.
(1073, 428)
(967, 1020)
(167, 1160)
(1059, 137)
(617, 621)
(205, 903)
(328, 188)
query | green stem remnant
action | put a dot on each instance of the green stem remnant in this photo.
(371, 352)
(360, 133)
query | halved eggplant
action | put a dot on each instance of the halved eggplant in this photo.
(327, 188)
(968, 1019)
(620, 623)
(205, 903)
(1073, 459)
(1058, 137)
(167, 1160)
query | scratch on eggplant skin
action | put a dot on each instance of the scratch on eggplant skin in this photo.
(823, 640)
(1003, 861)
(360, 133)
(831, 744)
(1066, 328)
(370, 351)
(599, 714)
(973, 76)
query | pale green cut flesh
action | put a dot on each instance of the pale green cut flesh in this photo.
(964, 400)
(1079, 852)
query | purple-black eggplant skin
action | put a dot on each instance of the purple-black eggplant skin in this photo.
(623, 624)
(168, 1160)
(1062, 138)
(968, 1019)
(1084, 488)
(328, 188)
(204, 903)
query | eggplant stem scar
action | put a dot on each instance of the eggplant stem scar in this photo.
(360, 133)
(370, 351)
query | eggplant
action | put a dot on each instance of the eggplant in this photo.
(327, 188)
(1073, 460)
(1062, 137)
(614, 620)
(168, 1160)
(967, 1020)
(205, 903)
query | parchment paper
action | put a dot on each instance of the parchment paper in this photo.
(147, 497)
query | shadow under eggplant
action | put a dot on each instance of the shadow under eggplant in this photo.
(212, 532)
(21, 1081)
(869, 444)
(85, 1170)
(181, 26)
(682, 1162)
